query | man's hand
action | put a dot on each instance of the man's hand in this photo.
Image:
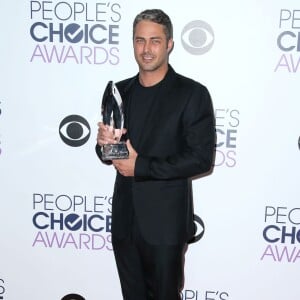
(108, 135)
(126, 166)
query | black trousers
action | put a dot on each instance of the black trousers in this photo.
(149, 272)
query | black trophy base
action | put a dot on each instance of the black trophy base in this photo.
(115, 151)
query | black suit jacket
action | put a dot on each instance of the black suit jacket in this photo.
(177, 143)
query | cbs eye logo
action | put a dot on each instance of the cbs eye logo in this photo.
(199, 224)
(73, 297)
(197, 37)
(74, 130)
(2, 288)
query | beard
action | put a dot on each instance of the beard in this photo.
(149, 62)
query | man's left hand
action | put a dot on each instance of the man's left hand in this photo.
(126, 166)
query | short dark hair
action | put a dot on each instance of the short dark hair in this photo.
(156, 16)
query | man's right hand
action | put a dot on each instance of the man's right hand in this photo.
(108, 135)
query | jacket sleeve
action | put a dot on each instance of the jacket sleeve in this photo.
(198, 144)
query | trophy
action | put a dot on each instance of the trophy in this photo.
(113, 115)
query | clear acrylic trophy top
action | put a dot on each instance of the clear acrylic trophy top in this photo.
(113, 115)
(112, 107)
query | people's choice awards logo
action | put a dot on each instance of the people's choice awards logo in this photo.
(197, 37)
(194, 294)
(227, 123)
(288, 41)
(282, 234)
(74, 130)
(79, 222)
(75, 32)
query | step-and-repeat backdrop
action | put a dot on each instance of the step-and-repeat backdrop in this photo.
(55, 209)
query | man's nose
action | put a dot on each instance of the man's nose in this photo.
(147, 46)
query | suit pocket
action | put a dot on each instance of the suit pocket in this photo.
(173, 184)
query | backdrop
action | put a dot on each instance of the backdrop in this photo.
(55, 210)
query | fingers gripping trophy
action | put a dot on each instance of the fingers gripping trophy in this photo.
(113, 115)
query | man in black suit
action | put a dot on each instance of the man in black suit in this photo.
(170, 132)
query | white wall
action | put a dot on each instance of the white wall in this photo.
(253, 78)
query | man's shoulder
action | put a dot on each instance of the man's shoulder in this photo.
(125, 84)
(183, 81)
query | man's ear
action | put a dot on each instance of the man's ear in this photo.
(170, 45)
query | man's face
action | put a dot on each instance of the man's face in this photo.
(151, 48)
